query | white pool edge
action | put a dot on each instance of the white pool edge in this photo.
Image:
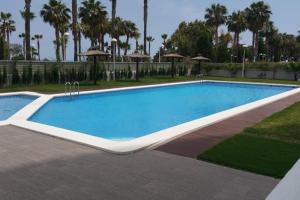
(20, 119)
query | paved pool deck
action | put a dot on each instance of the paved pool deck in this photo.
(34, 166)
(197, 142)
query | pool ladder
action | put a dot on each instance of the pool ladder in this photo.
(74, 88)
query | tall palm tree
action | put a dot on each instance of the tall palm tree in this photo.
(113, 15)
(38, 37)
(120, 31)
(237, 24)
(54, 13)
(136, 35)
(164, 37)
(7, 27)
(145, 25)
(75, 28)
(27, 29)
(257, 15)
(216, 16)
(268, 32)
(149, 40)
(22, 36)
(5, 18)
(113, 19)
(24, 15)
(130, 31)
(93, 15)
(10, 27)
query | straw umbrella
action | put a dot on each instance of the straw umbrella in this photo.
(95, 54)
(138, 57)
(200, 58)
(172, 57)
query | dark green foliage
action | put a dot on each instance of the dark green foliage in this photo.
(15, 76)
(37, 77)
(3, 49)
(233, 69)
(193, 38)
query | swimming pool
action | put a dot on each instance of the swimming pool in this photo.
(129, 114)
(11, 104)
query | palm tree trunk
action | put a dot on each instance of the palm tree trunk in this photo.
(27, 29)
(256, 44)
(79, 44)
(113, 20)
(238, 45)
(234, 40)
(24, 47)
(8, 43)
(253, 46)
(38, 45)
(145, 25)
(57, 44)
(102, 41)
(119, 49)
(127, 43)
(217, 36)
(149, 47)
(74, 27)
(63, 46)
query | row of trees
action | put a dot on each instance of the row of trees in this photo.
(90, 20)
(204, 36)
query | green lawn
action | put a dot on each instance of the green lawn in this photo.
(56, 88)
(271, 147)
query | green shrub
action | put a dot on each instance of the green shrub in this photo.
(295, 68)
(233, 68)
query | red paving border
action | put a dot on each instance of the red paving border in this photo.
(195, 143)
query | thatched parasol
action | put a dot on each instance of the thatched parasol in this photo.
(173, 56)
(200, 58)
(137, 57)
(95, 53)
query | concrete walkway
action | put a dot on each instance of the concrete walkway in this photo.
(34, 167)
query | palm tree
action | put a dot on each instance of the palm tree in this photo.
(141, 48)
(113, 19)
(120, 31)
(216, 16)
(7, 27)
(93, 15)
(268, 32)
(38, 37)
(145, 25)
(136, 35)
(75, 28)
(257, 15)
(237, 24)
(27, 29)
(31, 16)
(149, 40)
(164, 37)
(113, 15)
(130, 31)
(22, 36)
(54, 13)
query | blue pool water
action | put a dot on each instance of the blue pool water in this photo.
(129, 114)
(9, 105)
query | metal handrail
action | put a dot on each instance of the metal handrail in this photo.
(70, 88)
(76, 83)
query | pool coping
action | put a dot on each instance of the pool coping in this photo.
(20, 119)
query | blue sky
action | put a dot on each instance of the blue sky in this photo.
(164, 17)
